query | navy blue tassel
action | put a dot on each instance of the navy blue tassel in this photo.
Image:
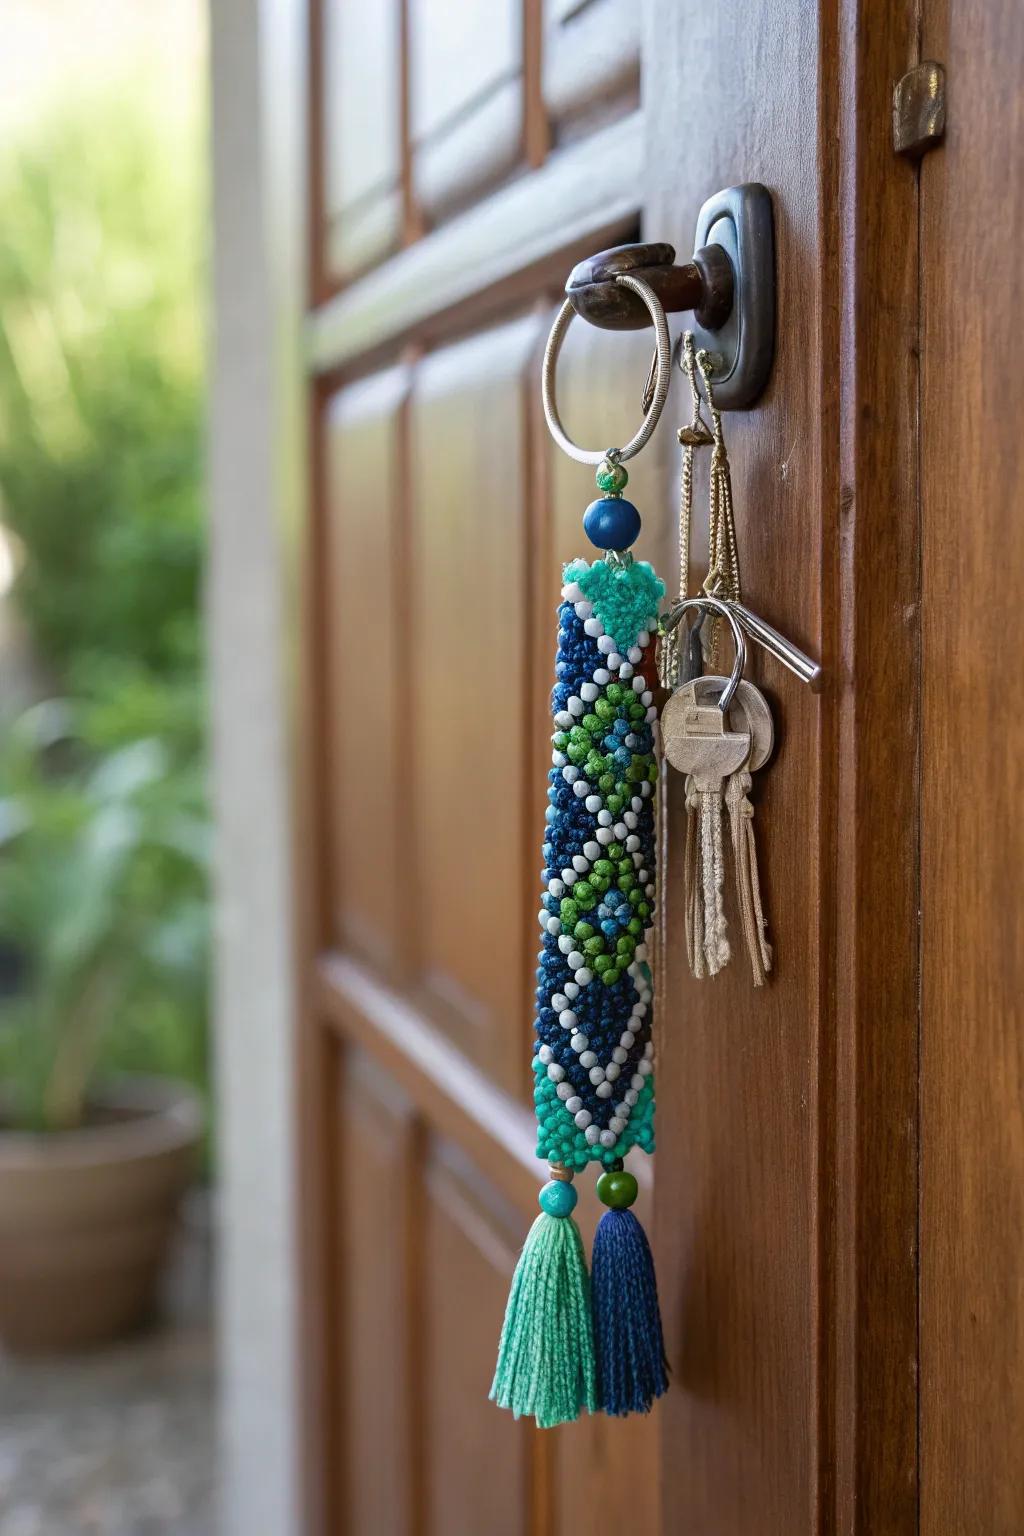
(631, 1366)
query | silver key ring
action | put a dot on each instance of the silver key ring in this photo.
(716, 605)
(661, 384)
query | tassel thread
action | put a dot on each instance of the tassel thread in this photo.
(631, 1366)
(546, 1365)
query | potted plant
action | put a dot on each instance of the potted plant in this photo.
(102, 936)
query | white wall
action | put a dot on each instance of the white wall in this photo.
(253, 358)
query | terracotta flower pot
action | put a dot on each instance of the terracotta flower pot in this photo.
(86, 1216)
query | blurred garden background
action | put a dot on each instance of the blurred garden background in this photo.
(104, 825)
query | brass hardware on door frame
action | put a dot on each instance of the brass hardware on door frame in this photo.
(919, 110)
(729, 284)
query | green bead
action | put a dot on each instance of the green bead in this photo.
(558, 1198)
(594, 946)
(604, 710)
(560, 740)
(602, 963)
(617, 1190)
(568, 910)
(583, 931)
(615, 693)
(615, 851)
(635, 927)
(624, 945)
(611, 478)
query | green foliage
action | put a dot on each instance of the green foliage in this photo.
(103, 890)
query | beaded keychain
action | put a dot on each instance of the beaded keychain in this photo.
(570, 1343)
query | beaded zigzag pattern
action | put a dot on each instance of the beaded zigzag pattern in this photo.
(594, 1084)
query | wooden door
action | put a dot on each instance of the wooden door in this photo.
(460, 158)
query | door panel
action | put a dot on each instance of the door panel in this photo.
(376, 1149)
(362, 198)
(477, 1472)
(468, 540)
(364, 770)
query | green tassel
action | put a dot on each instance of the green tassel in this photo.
(546, 1355)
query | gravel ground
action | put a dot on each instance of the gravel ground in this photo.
(123, 1442)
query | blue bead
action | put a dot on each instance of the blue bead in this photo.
(558, 1198)
(611, 523)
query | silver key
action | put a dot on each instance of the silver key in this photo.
(698, 741)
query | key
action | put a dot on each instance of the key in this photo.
(750, 709)
(698, 742)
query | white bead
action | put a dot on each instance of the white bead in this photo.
(564, 1092)
(604, 818)
(648, 889)
(592, 850)
(556, 888)
(593, 627)
(570, 774)
(567, 1019)
(631, 741)
(627, 1039)
(625, 671)
(640, 953)
(576, 706)
(612, 1071)
(605, 835)
(645, 788)
(542, 917)
(637, 804)
(616, 1125)
(592, 1134)
(581, 788)
(614, 661)
(559, 759)
(555, 1072)
(636, 1082)
(649, 1050)
(580, 864)
(619, 1055)
(584, 975)
(652, 714)
(545, 1054)
(569, 877)
(565, 943)
(631, 1097)
(643, 639)
(608, 1138)
(554, 925)
(563, 719)
(573, 1103)
(571, 990)
(588, 1060)
(593, 804)
(572, 591)
(634, 654)
(629, 817)
(647, 697)
(604, 1090)
(579, 1043)
(589, 692)
(583, 1118)
(632, 843)
(638, 684)
(602, 675)
(559, 1001)
(621, 831)
(596, 1075)
(605, 645)
(644, 1068)
(575, 959)
(583, 609)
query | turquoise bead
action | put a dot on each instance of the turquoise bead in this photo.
(611, 523)
(558, 1198)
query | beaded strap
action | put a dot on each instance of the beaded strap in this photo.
(594, 1081)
